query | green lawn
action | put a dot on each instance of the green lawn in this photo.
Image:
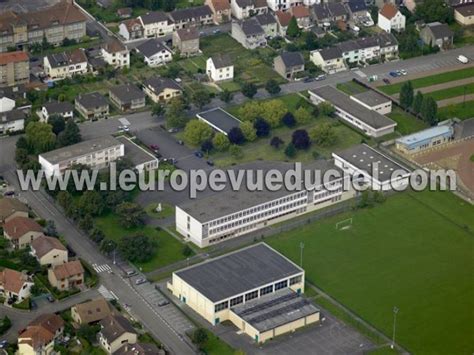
(415, 251)
(452, 92)
(406, 123)
(216, 346)
(430, 80)
(169, 249)
(461, 111)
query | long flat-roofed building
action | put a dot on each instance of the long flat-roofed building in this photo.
(374, 168)
(256, 288)
(374, 101)
(229, 214)
(425, 139)
(219, 119)
(368, 121)
(141, 159)
(96, 153)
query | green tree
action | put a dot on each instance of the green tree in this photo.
(249, 90)
(92, 203)
(137, 248)
(175, 115)
(131, 214)
(64, 199)
(326, 108)
(303, 115)
(429, 110)
(200, 98)
(200, 337)
(273, 111)
(226, 96)
(70, 135)
(276, 142)
(88, 332)
(293, 30)
(187, 251)
(417, 102)
(40, 137)
(250, 133)
(290, 150)
(434, 10)
(157, 110)
(107, 246)
(236, 151)
(250, 111)
(57, 123)
(86, 223)
(272, 87)
(220, 142)
(406, 95)
(197, 132)
(323, 135)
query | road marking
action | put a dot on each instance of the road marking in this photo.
(101, 268)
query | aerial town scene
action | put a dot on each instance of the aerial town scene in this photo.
(230, 177)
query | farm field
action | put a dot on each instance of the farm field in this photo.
(415, 251)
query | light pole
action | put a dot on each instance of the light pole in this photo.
(301, 253)
(395, 311)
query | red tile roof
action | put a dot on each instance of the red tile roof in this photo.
(13, 57)
(12, 280)
(300, 11)
(44, 245)
(220, 5)
(388, 11)
(67, 270)
(283, 18)
(19, 226)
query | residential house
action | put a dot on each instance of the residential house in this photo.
(464, 15)
(282, 5)
(337, 11)
(116, 331)
(220, 10)
(116, 54)
(192, 16)
(105, 4)
(156, 24)
(283, 20)
(155, 53)
(11, 208)
(92, 106)
(220, 68)
(14, 285)
(360, 13)
(55, 23)
(437, 34)
(66, 276)
(56, 108)
(124, 12)
(321, 15)
(330, 60)
(390, 18)
(186, 41)
(39, 336)
(14, 68)
(6, 104)
(249, 33)
(21, 231)
(381, 46)
(91, 311)
(161, 89)
(269, 24)
(127, 97)
(59, 66)
(12, 121)
(318, 31)
(388, 46)
(302, 15)
(242, 9)
(139, 349)
(131, 29)
(289, 64)
(49, 251)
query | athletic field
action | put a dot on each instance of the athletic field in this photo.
(415, 251)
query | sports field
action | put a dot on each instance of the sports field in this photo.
(415, 251)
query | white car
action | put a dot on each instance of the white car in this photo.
(403, 72)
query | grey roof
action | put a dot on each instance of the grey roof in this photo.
(55, 107)
(190, 13)
(466, 10)
(371, 98)
(151, 47)
(331, 53)
(217, 204)
(127, 92)
(158, 84)
(337, 9)
(139, 349)
(440, 30)
(245, 3)
(114, 326)
(464, 129)
(292, 59)
(221, 61)
(154, 17)
(348, 46)
(386, 39)
(251, 27)
(12, 115)
(92, 100)
(136, 154)
(357, 5)
(275, 309)
(57, 60)
(80, 149)
(266, 19)
(382, 39)
(364, 158)
(188, 34)
(237, 272)
(343, 101)
(220, 118)
(320, 12)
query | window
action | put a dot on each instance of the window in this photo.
(295, 280)
(223, 305)
(281, 284)
(251, 295)
(265, 290)
(236, 300)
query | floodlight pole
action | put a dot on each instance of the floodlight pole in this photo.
(301, 253)
(395, 311)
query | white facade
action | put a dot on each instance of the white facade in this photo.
(219, 74)
(160, 58)
(383, 108)
(330, 66)
(11, 125)
(45, 114)
(283, 5)
(6, 104)
(396, 23)
(157, 29)
(66, 71)
(118, 60)
(238, 12)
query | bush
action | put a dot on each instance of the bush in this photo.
(300, 139)
(276, 142)
(290, 150)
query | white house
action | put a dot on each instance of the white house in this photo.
(283, 5)
(390, 18)
(116, 54)
(6, 104)
(330, 59)
(155, 53)
(156, 24)
(59, 66)
(131, 29)
(12, 121)
(220, 68)
(242, 9)
(14, 284)
(56, 108)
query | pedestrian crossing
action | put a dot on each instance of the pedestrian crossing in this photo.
(106, 293)
(101, 268)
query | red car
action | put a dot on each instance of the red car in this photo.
(154, 147)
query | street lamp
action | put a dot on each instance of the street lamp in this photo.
(301, 253)
(395, 311)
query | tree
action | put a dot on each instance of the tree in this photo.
(50, 228)
(21, 156)
(273, 111)
(187, 251)
(326, 108)
(57, 123)
(88, 332)
(249, 90)
(303, 115)
(236, 136)
(272, 87)
(434, 10)
(92, 203)
(157, 110)
(417, 102)
(175, 117)
(131, 214)
(248, 130)
(406, 95)
(207, 146)
(107, 246)
(64, 199)
(235, 151)
(137, 248)
(200, 98)
(429, 110)
(70, 135)
(35, 290)
(86, 223)
(289, 120)
(22, 143)
(220, 141)
(197, 132)
(276, 142)
(290, 150)
(323, 135)
(293, 30)
(40, 137)
(96, 235)
(262, 128)
(250, 111)
(300, 139)
(226, 96)
(200, 337)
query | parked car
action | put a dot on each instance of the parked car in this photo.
(50, 298)
(308, 80)
(463, 59)
(3, 344)
(394, 74)
(180, 142)
(320, 77)
(386, 81)
(33, 305)
(216, 31)
(154, 147)
(173, 130)
(198, 153)
(210, 163)
(140, 280)
(9, 193)
(163, 303)
(403, 72)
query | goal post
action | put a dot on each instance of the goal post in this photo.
(344, 224)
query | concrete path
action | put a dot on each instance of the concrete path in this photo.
(455, 100)
(437, 87)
